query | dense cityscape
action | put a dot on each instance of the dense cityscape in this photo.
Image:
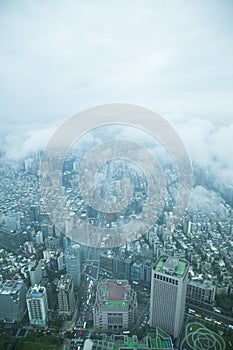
(143, 294)
(116, 175)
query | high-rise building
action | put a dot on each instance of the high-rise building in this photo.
(37, 306)
(66, 301)
(60, 261)
(39, 237)
(168, 292)
(73, 263)
(12, 301)
(35, 272)
(115, 306)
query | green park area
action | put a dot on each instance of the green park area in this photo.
(200, 336)
(29, 343)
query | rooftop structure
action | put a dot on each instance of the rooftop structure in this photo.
(153, 341)
(171, 266)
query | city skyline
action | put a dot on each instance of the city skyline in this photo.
(116, 186)
(182, 63)
(173, 58)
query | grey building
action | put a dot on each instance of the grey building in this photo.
(73, 263)
(66, 301)
(136, 272)
(168, 292)
(201, 292)
(115, 306)
(119, 267)
(12, 301)
(35, 272)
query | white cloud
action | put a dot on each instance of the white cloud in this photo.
(61, 56)
(206, 202)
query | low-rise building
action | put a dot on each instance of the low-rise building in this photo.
(154, 341)
(201, 292)
(115, 306)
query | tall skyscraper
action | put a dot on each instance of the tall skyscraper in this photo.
(73, 263)
(12, 301)
(37, 306)
(168, 292)
(66, 302)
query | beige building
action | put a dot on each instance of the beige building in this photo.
(115, 306)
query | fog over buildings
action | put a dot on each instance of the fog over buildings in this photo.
(174, 58)
(58, 58)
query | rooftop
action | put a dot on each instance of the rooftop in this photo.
(114, 290)
(116, 304)
(64, 282)
(171, 266)
(158, 340)
(36, 292)
(10, 287)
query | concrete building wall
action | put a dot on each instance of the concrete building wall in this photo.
(167, 305)
(12, 301)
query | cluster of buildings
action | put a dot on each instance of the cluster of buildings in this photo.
(194, 260)
(202, 240)
(17, 301)
(116, 303)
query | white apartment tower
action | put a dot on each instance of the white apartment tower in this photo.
(168, 292)
(37, 306)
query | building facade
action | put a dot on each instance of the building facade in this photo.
(12, 301)
(201, 292)
(73, 263)
(115, 306)
(168, 292)
(37, 306)
(66, 301)
(35, 272)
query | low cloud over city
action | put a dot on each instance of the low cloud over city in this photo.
(116, 186)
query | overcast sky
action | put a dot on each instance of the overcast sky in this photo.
(59, 57)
